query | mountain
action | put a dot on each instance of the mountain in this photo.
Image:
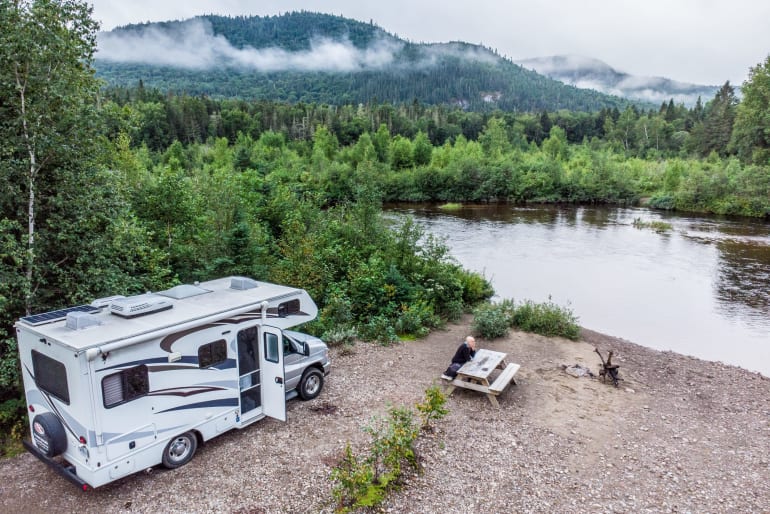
(320, 58)
(584, 72)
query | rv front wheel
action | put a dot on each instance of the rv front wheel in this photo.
(180, 450)
(311, 384)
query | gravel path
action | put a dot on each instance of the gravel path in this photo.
(678, 435)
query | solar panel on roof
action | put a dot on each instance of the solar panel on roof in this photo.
(51, 316)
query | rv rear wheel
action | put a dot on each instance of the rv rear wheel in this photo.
(180, 450)
(311, 384)
(48, 434)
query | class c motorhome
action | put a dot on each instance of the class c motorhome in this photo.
(127, 383)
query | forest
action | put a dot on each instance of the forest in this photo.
(461, 74)
(109, 190)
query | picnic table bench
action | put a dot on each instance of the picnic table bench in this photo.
(475, 375)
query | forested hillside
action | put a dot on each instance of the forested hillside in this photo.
(320, 58)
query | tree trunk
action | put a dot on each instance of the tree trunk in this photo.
(29, 141)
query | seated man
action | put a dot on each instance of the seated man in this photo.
(464, 353)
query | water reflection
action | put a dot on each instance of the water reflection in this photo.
(699, 288)
(744, 276)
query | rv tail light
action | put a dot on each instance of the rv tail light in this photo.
(32, 408)
(82, 440)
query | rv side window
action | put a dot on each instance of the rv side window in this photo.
(50, 376)
(212, 354)
(125, 386)
(271, 347)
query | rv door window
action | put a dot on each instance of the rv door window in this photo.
(125, 386)
(50, 376)
(212, 354)
(271, 347)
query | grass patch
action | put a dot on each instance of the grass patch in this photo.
(451, 206)
(657, 226)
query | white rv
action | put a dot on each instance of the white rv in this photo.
(126, 383)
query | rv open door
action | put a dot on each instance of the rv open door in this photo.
(273, 387)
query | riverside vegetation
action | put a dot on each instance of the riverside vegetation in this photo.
(128, 190)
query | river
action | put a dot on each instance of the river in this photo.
(700, 287)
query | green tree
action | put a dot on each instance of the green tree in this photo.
(718, 121)
(381, 140)
(494, 139)
(423, 149)
(556, 144)
(751, 132)
(47, 96)
(402, 153)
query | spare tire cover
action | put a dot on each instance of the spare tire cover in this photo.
(48, 434)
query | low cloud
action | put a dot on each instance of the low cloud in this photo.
(193, 45)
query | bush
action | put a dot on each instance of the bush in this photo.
(416, 319)
(492, 320)
(546, 319)
(453, 309)
(433, 408)
(476, 287)
(378, 329)
(364, 481)
(339, 336)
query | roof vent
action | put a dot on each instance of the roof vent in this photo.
(100, 303)
(81, 320)
(139, 305)
(242, 283)
(183, 291)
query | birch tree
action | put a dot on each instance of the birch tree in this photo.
(47, 112)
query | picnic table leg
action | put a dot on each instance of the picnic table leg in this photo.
(493, 400)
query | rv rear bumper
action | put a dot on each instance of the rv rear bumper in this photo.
(67, 472)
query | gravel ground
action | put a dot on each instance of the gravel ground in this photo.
(678, 435)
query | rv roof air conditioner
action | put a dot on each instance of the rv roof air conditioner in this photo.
(242, 283)
(140, 305)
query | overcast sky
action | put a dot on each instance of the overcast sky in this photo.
(698, 41)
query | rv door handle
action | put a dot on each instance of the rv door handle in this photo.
(278, 380)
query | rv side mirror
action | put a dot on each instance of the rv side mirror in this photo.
(305, 349)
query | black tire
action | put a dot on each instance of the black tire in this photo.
(311, 384)
(48, 434)
(180, 450)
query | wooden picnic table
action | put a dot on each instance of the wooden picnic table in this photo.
(475, 374)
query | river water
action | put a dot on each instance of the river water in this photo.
(700, 288)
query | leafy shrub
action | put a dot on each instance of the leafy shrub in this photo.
(416, 319)
(392, 442)
(364, 481)
(433, 407)
(378, 329)
(337, 310)
(476, 287)
(453, 310)
(492, 320)
(343, 335)
(353, 478)
(546, 319)
(662, 201)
